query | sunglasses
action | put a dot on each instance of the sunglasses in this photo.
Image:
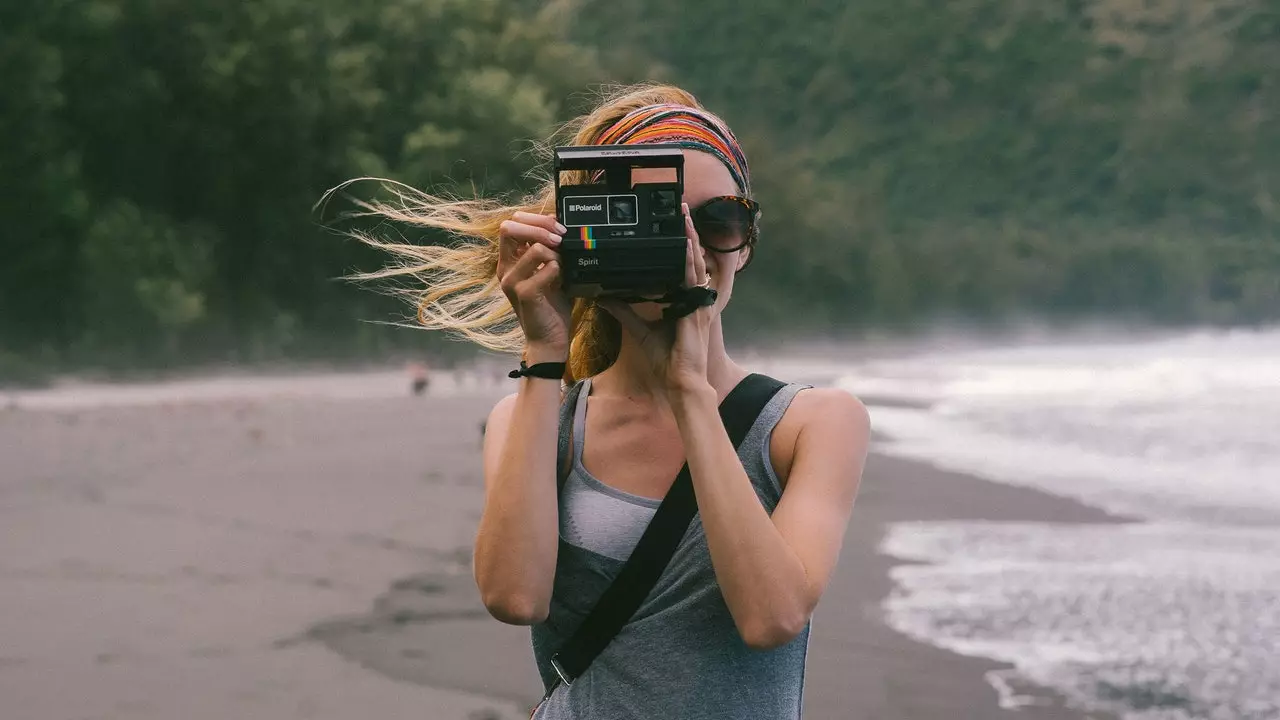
(726, 223)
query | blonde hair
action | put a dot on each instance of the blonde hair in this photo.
(455, 287)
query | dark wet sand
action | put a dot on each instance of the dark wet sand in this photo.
(306, 558)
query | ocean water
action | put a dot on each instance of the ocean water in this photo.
(1176, 617)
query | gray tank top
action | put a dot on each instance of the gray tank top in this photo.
(680, 656)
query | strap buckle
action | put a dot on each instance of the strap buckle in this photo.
(564, 676)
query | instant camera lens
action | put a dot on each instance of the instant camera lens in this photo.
(663, 203)
(622, 211)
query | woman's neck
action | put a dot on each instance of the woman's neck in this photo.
(632, 376)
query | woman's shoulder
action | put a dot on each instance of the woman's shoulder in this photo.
(500, 414)
(821, 405)
(810, 402)
(821, 414)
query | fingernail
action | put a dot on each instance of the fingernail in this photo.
(555, 239)
(561, 228)
(684, 208)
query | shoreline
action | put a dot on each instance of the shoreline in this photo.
(887, 342)
(898, 490)
(283, 556)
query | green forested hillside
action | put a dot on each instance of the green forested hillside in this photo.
(161, 159)
(983, 159)
(987, 156)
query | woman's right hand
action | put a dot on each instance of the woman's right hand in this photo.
(529, 273)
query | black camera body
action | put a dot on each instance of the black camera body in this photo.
(625, 240)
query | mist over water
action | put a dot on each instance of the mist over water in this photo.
(1185, 428)
(1174, 618)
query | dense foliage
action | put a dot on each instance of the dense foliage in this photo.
(990, 157)
(978, 158)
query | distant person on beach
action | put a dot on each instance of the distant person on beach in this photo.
(419, 377)
(613, 407)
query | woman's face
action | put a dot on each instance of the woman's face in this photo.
(705, 177)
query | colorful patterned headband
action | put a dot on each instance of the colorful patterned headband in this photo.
(687, 127)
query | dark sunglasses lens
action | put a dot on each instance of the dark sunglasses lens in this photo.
(723, 224)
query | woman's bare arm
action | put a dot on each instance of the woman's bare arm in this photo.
(772, 569)
(515, 549)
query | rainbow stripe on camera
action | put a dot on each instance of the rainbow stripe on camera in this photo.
(587, 240)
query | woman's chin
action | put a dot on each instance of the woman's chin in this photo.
(648, 311)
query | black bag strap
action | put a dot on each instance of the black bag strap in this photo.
(640, 573)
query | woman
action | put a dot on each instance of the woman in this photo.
(724, 632)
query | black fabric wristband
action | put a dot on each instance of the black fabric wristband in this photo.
(686, 301)
(546, 370)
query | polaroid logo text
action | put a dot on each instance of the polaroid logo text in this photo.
(586, 208)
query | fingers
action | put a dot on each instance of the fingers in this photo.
(519, 281)
(514, 230)
(526, 229)
(541, 280)
(546, 222)
(695, 260)
(689, 228)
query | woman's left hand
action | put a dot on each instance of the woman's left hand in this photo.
(676, 350)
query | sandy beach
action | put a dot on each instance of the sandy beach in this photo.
(293, 556)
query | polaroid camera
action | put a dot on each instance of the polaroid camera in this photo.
(625, 240)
